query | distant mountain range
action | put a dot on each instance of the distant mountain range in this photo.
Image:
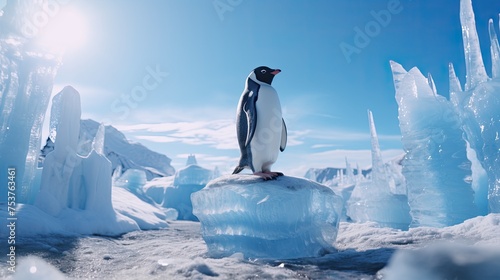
(121, 152)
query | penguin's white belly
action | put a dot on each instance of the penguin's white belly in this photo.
(265, 144)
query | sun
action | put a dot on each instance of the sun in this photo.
(66, 31)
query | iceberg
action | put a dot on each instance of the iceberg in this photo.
(187, 180)
(373, 201)
(134, 180)
(436, 168)
(284, 218)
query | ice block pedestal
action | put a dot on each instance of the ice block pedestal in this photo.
(281, 219)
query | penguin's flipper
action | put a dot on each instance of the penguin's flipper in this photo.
(251, 113)
(284, 136)
(250, 109)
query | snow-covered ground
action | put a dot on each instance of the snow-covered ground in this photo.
(178, 252)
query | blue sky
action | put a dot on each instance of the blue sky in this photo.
(202, 55)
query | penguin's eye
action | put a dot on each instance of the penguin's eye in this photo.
(263, 71)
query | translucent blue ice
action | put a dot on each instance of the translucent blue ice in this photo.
(436, 167)
(373, 200)
(26, 79)
(284, 218)
(479, 104)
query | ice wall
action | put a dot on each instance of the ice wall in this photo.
(479, 103)
(436, 168)
(74, 188)
(373, 200)
(26, 78)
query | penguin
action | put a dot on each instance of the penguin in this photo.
(260, 127)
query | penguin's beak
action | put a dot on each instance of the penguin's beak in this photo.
(276, 72)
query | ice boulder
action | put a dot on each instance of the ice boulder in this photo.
(187, 180)
(192, 175)
(284, 218)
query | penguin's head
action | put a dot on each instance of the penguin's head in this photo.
(264, 74)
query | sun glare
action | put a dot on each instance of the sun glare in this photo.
(66, 31)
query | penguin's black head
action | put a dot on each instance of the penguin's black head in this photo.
(265, 74)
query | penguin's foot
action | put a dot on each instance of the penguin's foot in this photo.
(268, 175)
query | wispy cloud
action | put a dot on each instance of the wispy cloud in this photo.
(320, 146)
(332, 136)
(218, 134)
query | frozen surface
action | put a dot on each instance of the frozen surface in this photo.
(178, 252)
(436, 167)
(372, 200)
(284, 218)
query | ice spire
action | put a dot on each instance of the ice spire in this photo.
(191, 160)
(398, 73)
(69, 121)
(359, 176)
(495, 50)
(378, 169)
(454, 81)
(60, 164)
(476, 72)
(373, 200)
(432, 85)
(98, 143)
(456, 94)
(349, 172)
